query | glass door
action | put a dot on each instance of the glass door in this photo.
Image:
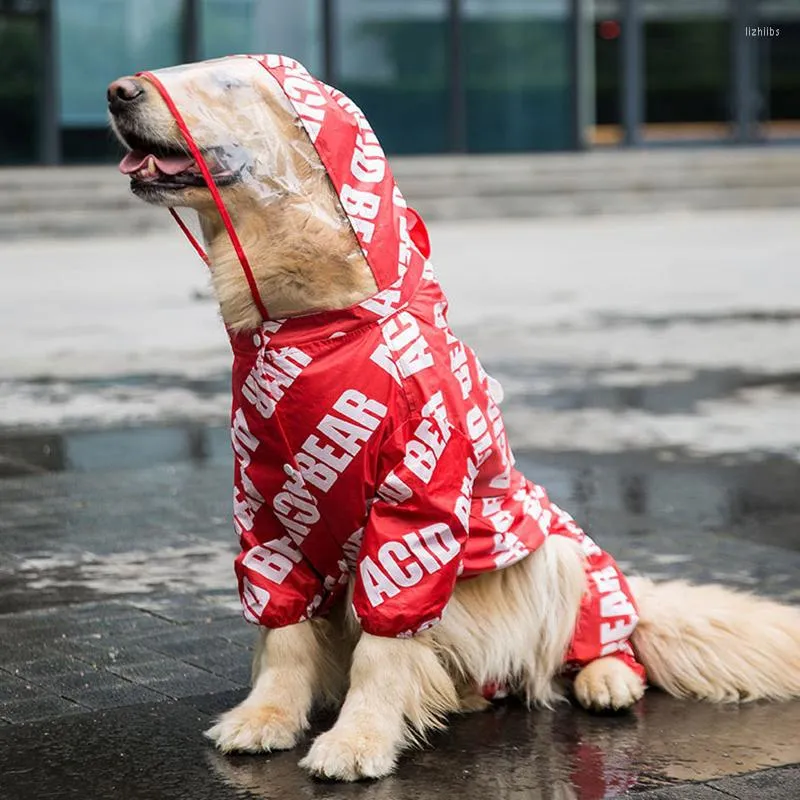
(687, 62)
(664, 71)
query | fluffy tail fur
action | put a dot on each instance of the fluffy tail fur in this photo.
(713, 643)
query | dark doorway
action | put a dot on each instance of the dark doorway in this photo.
(21, 89)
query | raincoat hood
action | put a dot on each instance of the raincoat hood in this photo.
(269, 91)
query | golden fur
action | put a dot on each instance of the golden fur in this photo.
(711, 643)
(512, 626)
(301, 248)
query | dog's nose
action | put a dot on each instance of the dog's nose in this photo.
(121, 93)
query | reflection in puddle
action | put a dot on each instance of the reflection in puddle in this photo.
(124, 448)
(674, 391)
(125, 498)
(508, 753)
(753, 499)
(198, 568)
(701, 492)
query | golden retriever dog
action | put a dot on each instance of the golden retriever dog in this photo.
(702, 642)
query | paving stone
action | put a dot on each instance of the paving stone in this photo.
(238, 632)
(23, 649)
(38, 629)
(684, 791)
(117, 694)
(173, 678)
(94, 686)
(13, 688)
(782, 783)
(141, 623)
(218, 703)
(103, 608)
(43, 628)
(213, 654)
(148, 646)
(174, 635)
(146, 752)
(38, 708)
(42, 669)
(73, 685)
(115, 653)
(189, 609)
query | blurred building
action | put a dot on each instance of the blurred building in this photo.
(433, 76)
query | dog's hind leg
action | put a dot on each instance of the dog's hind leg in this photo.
(399, 689)
(513, 627)
(293, 668)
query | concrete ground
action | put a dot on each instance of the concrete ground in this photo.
(651, 373)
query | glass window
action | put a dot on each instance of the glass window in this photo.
(263, 26)
(687, 69)
(392, 59)
(20, 66)
(779, 68)
(518, 75)
(99, 40)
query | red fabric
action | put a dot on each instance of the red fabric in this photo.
(418, 233)
(368, 442)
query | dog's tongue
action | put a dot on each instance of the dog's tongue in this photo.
(169, 165)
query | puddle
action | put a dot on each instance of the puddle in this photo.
(121, 513)
(708, 318)
(85, 513)
(124, 448)
(547, 407)
(665, 391)
(646, 493)
(512, 754)
(202, 386)
(727, 492)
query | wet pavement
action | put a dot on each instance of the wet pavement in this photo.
(154, 751)
(121, 634)
(659, 404)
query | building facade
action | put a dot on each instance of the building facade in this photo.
(433, 76)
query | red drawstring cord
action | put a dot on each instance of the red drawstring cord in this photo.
(190, 236)
(212, 187)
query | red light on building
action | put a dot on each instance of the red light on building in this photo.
(609, 29)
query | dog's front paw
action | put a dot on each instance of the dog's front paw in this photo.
(254, 729)
(608, 683)
(350, 755)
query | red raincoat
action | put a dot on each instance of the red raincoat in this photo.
(368, 441)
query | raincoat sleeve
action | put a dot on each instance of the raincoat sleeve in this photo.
(413, 542)
(608, 614)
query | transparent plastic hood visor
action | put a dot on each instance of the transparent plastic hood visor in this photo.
(240, 118)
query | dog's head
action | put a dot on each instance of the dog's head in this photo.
(228, 126)
(235, 112)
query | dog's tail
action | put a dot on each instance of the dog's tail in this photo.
(717, 644)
